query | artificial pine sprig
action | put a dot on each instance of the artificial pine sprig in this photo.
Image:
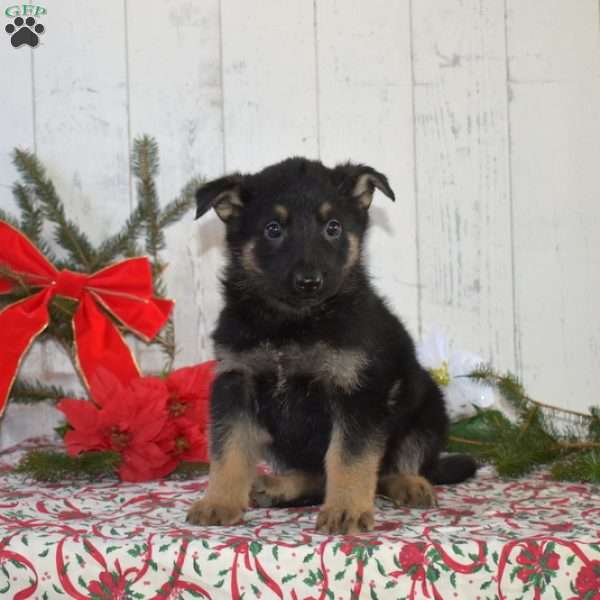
(66, 233)
(52, 465)
(38, 202)
(534, 439)
(26, 391)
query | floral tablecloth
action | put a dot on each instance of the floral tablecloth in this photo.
(488, 538)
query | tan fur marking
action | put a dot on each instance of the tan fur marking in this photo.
(353, 252)
(249, 259)
(407, 489)
(230, 478)
(341, 367)
(227, 204)
(350, 488)
(363, 190)
(270, 490)
(325, 210)
(281, 212)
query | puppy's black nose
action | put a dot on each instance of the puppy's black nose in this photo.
(308, 282)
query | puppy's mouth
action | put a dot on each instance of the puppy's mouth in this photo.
(298, 304)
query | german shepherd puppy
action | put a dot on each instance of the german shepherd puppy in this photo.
(314, 371)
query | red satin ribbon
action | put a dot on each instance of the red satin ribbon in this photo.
(123, 289)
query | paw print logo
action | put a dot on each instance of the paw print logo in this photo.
(24, 32)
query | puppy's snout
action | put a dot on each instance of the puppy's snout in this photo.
(308, 282)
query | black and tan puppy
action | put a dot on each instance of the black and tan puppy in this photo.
(315, 373)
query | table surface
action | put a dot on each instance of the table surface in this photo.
(489, 538)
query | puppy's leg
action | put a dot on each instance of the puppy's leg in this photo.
(350, 487)
(236, 446)
(287, 488)
(404, 485)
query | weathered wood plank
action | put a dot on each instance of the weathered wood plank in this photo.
(554, 74)
(463, 174)
(17, 114)
(80, 89)
(179, 102)
(81, 111)
(365, 114)
(269, 82)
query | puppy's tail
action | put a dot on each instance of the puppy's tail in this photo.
(453, 468)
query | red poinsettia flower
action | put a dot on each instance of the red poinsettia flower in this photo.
(128, 420)
(189, 392)
(539, 563)
(588, 581)
(139, 422)
(186, 438)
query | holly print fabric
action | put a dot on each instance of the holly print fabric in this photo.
(489, 538)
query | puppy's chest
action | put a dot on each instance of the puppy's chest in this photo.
(340, 368)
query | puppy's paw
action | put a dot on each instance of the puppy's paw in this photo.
(266, 491)
(410, 490)
(209, 512)
(333, 519)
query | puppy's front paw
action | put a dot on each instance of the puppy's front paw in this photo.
(209, 512)
(333, 519)
(410, 490)
(266, 492)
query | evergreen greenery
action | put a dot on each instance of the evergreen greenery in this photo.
(143, 232)
(534, 438)
(52, 466)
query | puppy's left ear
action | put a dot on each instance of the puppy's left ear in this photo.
(224, 195)
(360, 182)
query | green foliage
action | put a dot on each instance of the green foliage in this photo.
(580, 466)
(39, 204)
(25, 391)
(58, 466)
(66, 233)
(50, 465)
(533, 439)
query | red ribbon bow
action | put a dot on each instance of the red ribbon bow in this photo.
(123, 289)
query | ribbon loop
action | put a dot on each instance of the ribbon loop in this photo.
(124, 290)
(70, 284)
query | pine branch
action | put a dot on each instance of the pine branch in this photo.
(177, 208)
(122, 243)
(32, 218)
(50, 465)
(167, 342)
(18, 280)
(578, 467)
(8, 218)
(145, 165)
(26, 391)
(58, 466)
(66, 233)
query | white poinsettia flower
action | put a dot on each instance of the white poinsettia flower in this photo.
(450, 369)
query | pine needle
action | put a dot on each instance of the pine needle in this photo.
(177, 208)
(59, 466)
(25, 391)
(66, 233)
(8, 218)
(32, 218)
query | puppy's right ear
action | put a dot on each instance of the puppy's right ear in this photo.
(224, 195)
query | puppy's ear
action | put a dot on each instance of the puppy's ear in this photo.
(360, 182)
(224, 195)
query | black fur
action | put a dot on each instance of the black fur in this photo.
(336, 316)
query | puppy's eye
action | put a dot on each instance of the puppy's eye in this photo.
(273, 230)
(333, 229)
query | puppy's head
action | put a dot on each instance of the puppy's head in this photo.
(295, 229)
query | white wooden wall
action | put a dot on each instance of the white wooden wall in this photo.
(485, 114)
